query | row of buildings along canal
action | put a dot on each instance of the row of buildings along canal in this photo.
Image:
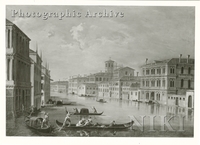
(27, 76)
(168, 82)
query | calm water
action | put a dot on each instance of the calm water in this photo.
(119, 110)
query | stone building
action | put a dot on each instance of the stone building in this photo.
(18, 85)
(99, 77)
(59, 87)
(120, 83)
(135, 91)
(76, 81)
(123, 71)
(45, 84)
(171, 76)
(36, 73)
(88, 89)
(104, 89)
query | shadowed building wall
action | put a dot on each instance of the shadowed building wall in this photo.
(18, 85)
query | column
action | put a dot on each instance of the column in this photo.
(11, 38)
(6, 38)
(11, 69)
(7, 69)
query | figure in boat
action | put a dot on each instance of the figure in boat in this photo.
(45, 121)
(66, 120)
(95, 111)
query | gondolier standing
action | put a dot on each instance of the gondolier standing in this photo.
(67, 119)
(95, 111)
(45, 120)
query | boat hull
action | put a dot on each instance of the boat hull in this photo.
(97, 127)
(38, 128)
(87, 113)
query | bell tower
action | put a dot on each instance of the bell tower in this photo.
(109, 66)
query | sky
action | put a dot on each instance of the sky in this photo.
(81, 45)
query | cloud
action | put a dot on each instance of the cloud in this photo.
(80, 45)
(75, 32)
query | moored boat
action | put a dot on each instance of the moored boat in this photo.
(101, 101)
(85, 111)
(34, 123)
(97, 126)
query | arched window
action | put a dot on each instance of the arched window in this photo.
(172, 70)
(182, 83)
(158, 96)
(182, 70)
(171, 83)
(189, 70)
(158, 83)
(189, 84)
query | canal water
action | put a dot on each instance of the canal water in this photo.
(179, 121)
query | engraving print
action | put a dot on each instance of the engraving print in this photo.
(100, 71)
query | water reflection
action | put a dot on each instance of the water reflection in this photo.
(114, 109)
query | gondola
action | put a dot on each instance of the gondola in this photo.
(101, 101)
(34, 123)
(97, 126)
(85, 111)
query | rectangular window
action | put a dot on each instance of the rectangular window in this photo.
(163, 71)
(147, 83)
(163, 83)
(147, 72)
(159, 71)
(153, 83)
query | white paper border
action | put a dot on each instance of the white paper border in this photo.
(100, 140)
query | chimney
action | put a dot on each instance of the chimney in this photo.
(146, 60)
(188, 58)
(180, 58)
(137, 74)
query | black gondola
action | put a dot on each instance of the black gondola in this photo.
(101, 101)
(85, 111)
(97, 126)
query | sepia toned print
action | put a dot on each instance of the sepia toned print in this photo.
(100, 71)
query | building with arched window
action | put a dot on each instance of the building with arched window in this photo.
(170, 76)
